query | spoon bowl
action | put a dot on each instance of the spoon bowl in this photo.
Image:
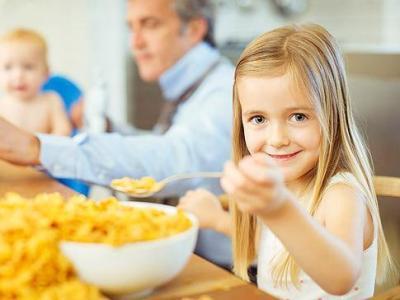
(147, 187)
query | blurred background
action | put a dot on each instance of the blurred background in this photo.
(89, 37)
(88, 40)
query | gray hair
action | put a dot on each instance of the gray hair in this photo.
(192, 9)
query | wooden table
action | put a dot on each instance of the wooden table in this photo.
(28, 181)
(199, 280)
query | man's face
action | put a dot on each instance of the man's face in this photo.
(158, 37)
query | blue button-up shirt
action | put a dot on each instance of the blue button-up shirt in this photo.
(198, 140)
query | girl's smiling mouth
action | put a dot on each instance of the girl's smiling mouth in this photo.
(283, 156)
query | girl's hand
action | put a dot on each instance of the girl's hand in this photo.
(256, 184)
(204, 205)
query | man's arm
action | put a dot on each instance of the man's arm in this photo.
(18, 146)
(199, 142)
(203, 143)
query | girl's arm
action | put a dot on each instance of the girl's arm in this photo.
(329, 252)
(60, 124)
(208, 209)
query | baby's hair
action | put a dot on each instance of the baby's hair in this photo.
(312, 59)
(24, 35)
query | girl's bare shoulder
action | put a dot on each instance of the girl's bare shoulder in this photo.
(343, 191)
(344, 208)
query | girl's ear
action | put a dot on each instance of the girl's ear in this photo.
(197, 29)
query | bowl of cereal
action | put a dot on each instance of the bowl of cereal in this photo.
(129, 248)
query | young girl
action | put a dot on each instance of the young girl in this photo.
(303, 201)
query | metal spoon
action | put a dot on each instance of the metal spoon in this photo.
(164, 182)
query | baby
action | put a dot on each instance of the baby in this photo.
(23, 70)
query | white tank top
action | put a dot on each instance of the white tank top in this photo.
(270, 247)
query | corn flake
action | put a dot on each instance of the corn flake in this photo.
(31, 264)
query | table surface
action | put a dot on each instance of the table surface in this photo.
(200, 279)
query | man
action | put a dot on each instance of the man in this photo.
(172, 42)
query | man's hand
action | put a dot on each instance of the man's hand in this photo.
(18, 146)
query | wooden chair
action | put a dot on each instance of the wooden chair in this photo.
(387, 186)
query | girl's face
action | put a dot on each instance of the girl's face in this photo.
(22, 69)
(281, 123)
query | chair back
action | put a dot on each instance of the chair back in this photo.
(68, 90)
(387, 186)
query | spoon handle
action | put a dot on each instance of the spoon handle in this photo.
(190, 176)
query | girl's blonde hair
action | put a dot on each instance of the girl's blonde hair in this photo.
(29, 36)
(311, 57)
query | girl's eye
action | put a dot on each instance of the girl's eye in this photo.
(298, 117)
(257, 120)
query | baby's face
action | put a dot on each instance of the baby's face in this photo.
(22, 70)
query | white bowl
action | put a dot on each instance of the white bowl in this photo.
(134, 268)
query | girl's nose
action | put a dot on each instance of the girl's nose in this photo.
(278, 135)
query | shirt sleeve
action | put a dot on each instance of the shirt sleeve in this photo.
(199, 144)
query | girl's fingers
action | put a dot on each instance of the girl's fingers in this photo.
(260, 158)
(274, 175)
(240, 195)
(253, 170)
(232, 173)
(253, 183)
(227, 185)
(264, 159)
(260, 173)
(237, 179)
(230, 188)
(257, 168)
